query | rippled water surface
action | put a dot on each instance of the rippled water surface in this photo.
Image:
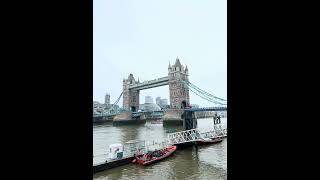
(202, 162)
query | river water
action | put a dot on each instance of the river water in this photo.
(202, 162)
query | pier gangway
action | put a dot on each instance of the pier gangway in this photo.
(193, 135)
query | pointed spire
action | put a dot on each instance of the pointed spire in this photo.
(186, 68)
(177, 62)
(169, 67)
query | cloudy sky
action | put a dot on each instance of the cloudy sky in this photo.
(142, 36)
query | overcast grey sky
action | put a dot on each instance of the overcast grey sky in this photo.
(142, 36)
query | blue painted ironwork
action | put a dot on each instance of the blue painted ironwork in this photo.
(203, 94)
(196, 90)
(115, 103)
(207, 109)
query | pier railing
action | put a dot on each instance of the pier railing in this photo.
(173, 138)
(129, 150)
(196, 134)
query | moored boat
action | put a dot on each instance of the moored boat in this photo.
(154, 156)
(208, 141)
(158, 121)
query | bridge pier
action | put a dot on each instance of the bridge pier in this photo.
(180, 117)
(125, 118)
(173, 117)
(189, 120)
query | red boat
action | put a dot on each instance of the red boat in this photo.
(154, 156)
(208, 141)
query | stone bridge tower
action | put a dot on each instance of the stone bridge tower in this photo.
(179, 94)
(130, 97)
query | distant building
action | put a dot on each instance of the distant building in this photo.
(107, 99)
(149, 107)
(113, 108)
(107, 106)
(158, 100)
(98, 107)
(97, 104)
(148, 99)
(163, 102)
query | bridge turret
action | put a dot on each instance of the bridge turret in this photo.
(177, 65)
(130, 97)
(177, 62)
(179, 94)
(131, 79)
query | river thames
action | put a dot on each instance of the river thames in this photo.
(202, 162)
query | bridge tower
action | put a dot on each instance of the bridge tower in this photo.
(130, 96)
(179, 94)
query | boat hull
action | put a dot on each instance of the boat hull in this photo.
(143, 161)
(211, 141)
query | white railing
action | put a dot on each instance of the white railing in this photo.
(157, 145)
(195, 134)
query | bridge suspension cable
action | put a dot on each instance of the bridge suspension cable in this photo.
(208, 99)
(203, 94)
(118, 98)
(115, 103)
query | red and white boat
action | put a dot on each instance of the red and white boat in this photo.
(154, 156)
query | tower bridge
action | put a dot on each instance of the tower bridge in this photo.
(179, 86)
(179, 94)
